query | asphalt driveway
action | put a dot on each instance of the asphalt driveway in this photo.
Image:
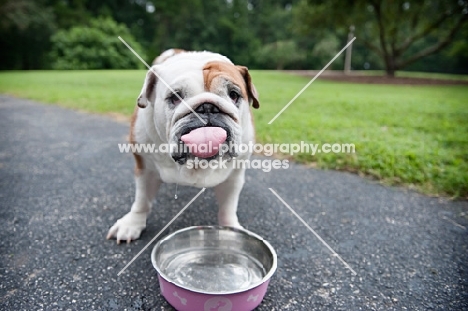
(63, 183)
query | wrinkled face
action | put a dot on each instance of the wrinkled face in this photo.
(200, 104)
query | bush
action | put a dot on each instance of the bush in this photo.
(280, 55)
(96, 46)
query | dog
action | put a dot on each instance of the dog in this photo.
(190, 99)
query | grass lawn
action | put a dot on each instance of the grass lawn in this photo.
(405, 135)
(100, 91)
(415, 74)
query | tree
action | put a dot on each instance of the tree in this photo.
(218, 26)
(391, 29)
(25, 30)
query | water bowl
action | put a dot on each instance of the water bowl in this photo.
(214, 268)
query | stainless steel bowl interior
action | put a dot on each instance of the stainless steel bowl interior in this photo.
(214, 259)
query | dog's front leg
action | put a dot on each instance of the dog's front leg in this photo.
(130, 226)
(227, 194)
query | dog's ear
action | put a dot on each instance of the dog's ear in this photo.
(147, 94)
(251, 90)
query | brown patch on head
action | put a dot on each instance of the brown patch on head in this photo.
(215, 72)
(139, 163)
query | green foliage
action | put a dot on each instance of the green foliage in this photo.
(280, 55)
(255, 33)
(399, 32)
(95, 47)
(326, 49)
(25, 29)
(218, 26)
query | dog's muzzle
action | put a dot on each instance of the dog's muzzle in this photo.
(214, 118)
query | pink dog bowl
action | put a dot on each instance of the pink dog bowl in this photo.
(214, 268)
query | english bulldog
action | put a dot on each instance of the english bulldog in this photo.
(190, 99)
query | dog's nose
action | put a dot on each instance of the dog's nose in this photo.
(207, 108)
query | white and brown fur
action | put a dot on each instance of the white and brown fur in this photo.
(204, 77)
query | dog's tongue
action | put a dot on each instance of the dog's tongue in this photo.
(204, 142)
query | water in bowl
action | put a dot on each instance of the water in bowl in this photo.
(212, 270)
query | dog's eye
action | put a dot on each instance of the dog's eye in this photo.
(176, 98)
(234, 96)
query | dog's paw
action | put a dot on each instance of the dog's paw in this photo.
(128, 228)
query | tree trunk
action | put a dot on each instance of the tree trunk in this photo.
(390, 67)
(390, 72)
